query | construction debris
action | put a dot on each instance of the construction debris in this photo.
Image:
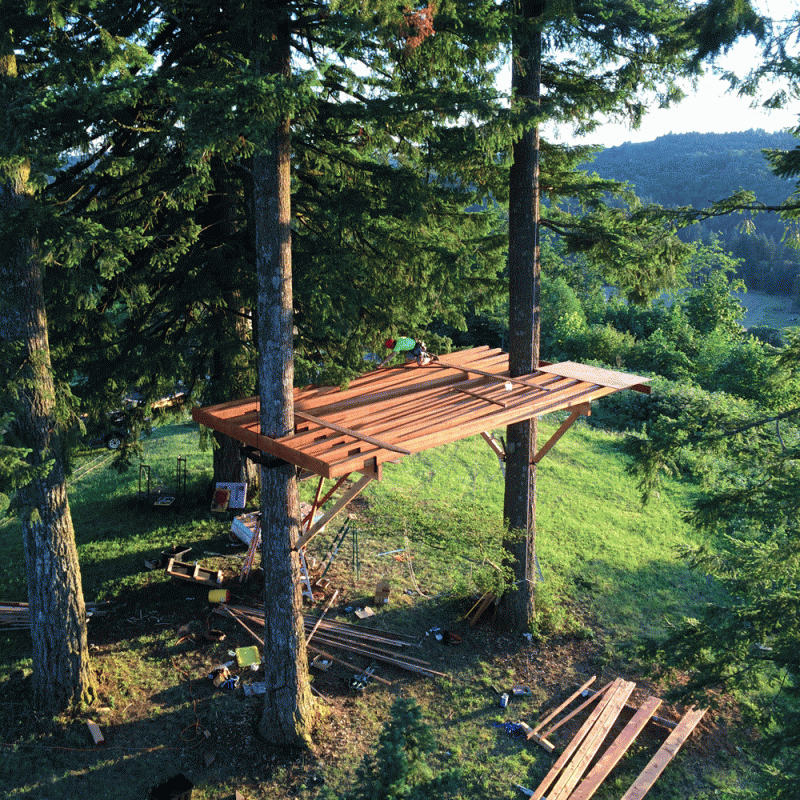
(571, 778)
(94, 730)
(194, 573)
(478, 610)
(381, 646)
(16, 616)
(382, 590)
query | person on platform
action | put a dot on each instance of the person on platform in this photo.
(412, 349)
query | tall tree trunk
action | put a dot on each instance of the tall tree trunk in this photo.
(519, 506)
(288, 705)
(231, 368)
(61, 672)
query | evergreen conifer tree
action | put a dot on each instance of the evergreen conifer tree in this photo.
(399, 768)
(573, 63)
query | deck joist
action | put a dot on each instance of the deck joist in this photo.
(387, 413)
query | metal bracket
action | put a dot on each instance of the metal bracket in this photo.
(265, 460)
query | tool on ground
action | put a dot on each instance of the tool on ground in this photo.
(359, 682)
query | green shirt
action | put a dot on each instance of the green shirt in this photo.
(403, 344)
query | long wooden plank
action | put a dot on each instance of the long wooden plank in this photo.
(576, 741)
(261, 443)
(593, 696)
(473, 421)
(499, 377)
(378, 403)
(614, 753)
(665, 754)
(349, 432)
(558, 710)
(479, 396)
(379, 385)
(593, 741)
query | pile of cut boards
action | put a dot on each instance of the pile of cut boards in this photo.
(578, 772)
(387, 647)
(16, 616)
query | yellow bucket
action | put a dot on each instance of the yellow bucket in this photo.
(219, 596)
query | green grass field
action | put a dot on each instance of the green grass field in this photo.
(610, 575)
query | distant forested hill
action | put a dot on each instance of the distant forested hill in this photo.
(695, 169)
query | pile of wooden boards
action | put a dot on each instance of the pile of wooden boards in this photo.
(16, 616)
(386, 647)
(571, 777)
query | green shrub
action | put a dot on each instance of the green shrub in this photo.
(399, 768)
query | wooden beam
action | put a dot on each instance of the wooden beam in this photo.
(534, 734)
(206, 416)
(322, 615)
(665, 754)
(592, 697)
(349, 432)
(308, 519)
(601, 770)
(494, 445)
(494, 375)
(480, 397)
(592, 742)
(351, 494)
(585, 409)
(577, 740)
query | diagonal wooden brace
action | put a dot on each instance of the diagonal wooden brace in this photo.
(583, 410)
(350, 495)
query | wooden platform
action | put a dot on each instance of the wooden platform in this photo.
(388, 413)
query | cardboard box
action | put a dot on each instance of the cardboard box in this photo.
(382, 589)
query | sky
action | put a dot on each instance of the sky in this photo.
(711, 109)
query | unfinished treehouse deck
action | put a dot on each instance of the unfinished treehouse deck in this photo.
(386, 414)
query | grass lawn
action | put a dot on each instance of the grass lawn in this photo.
(610, 575)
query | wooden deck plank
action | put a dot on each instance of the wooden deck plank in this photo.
(616, 750)
(665, 754)
(401, 410)
(593, 741)
(593, 696)
(575, 742)
(560, 708)
(355, 434)
(598, 375)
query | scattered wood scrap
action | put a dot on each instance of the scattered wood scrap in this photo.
(478, 610)
(16, 616)
(194, 573)
(570, 777)
(386, 647)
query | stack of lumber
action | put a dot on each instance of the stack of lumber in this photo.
(571, 777)
(16, 616)
(386, 647)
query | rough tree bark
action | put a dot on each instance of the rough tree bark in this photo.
(61, 673)
(519, 505)
(288, 705)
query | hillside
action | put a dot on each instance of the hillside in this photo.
(696, 169)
